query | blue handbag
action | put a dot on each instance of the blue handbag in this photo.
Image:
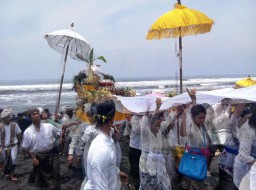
(193, 165)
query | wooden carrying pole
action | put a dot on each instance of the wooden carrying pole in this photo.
(61, 82)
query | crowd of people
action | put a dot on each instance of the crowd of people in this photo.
(141, 152)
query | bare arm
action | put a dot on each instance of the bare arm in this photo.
(192, 95)
(158, 105)
(67, 125)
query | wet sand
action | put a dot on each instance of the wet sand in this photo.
(70, 177)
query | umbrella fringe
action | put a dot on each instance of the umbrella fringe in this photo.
(179, 31)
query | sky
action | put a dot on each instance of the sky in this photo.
(117, 30)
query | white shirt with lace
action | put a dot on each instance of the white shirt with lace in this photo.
(226, 159)
(152, 160)
(253, 177)
(247, 152)
(197, 137)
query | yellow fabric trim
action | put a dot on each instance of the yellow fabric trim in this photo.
(179, 22)
(82, 116)
(246, 82)
(119, 116)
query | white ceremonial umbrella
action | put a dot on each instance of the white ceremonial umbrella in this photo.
(69, 42)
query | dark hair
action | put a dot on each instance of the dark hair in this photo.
(103, 111)
(46, 110)
(197, 109)
(32, 110)
(154, 118)
(252, 120)
(246, 111)
(69, 112)
(20, 115)
(206, 105)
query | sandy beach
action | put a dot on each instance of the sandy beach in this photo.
(70, 177)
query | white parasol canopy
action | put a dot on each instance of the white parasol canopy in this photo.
(71, 43)
(59, 40)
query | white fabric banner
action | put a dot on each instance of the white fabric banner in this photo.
(140, 104)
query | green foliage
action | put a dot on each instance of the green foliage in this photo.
(91, 58)
(78, 79)
(102, 59)
(109, 77)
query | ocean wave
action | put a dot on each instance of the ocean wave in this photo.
(123, 84)
(23, 96)
(172, 83)
(34, 87)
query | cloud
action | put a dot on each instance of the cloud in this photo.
(117, 30)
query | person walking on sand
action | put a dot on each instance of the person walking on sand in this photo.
(38, 140)
(69, 128)
(10, 137)
(101, 161)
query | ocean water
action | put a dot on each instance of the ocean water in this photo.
(26, 94)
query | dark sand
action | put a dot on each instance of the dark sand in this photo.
(70, 178)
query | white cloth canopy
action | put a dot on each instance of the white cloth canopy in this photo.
(60, 39)
(248, 93)
(139, 104)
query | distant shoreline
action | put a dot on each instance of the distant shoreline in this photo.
(124, 79)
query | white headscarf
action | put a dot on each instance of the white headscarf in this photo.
(6, 112)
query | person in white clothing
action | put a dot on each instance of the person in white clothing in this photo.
(247, 148)
(249, 181)
(253, 177)
(69, 128)
(38, 140)
(102, 171)
(76, 138)
(154, 157)
(135, 151)
(10, 135)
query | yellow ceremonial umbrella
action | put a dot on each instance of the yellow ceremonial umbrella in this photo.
(179, 22)
(245, 82)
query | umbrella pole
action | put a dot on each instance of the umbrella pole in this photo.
(180, 62)
(180, 56)
(61, 82)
